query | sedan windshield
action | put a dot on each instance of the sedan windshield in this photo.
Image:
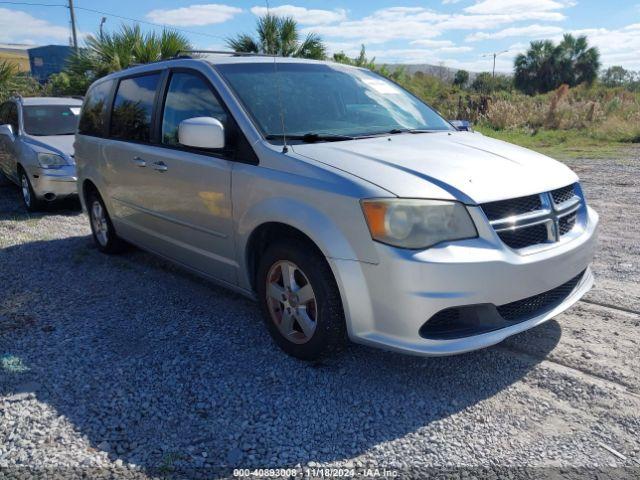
(50, 119)
(326, 102)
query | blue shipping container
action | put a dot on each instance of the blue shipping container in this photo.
(47, 60)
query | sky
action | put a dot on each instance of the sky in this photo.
(455, 33)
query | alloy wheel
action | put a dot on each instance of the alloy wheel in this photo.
(99, 223)
(26, 190)
(292, 302)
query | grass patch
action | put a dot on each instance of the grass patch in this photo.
(559, 143)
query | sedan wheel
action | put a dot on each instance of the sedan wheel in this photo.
(29, 198)
(26, 189)
(292, 302)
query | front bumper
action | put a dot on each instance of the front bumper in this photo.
(386, 304)
(53, 184)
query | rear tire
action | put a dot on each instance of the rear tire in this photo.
(102, 230)
(300, 301)
(31, 202)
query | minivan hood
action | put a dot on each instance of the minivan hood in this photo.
(56, 143)
(447, 165)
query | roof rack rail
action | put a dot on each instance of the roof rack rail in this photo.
(186, 53)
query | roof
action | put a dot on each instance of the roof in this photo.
(219, 59)
(212, 60)
(51, 101)
(43, 48)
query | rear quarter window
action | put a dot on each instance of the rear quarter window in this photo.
(94, 111)
(133, 108)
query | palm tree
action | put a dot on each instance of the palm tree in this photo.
(111, 52)
(578, 63)
(8, 70)
(537, 71)
(546, 66)
(279, 36)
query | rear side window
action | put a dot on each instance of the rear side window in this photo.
(188, 96)
(94, 112)
(132, 108)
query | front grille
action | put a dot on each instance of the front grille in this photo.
(525, 237)
(563, 194)
(509, 208)
(566, 224)
(526, 308)
(535, 219)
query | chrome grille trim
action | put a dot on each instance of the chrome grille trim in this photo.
(573, 201)
(550, 214)
(528, 219)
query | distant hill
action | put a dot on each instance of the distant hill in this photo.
(16, 53)
(443, 72)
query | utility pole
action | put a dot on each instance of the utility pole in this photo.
(494, 55)
(104, 19)
(73, 25)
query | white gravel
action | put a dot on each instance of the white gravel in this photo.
(126, 366)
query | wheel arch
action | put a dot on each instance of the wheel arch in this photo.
(265, 235)
(290, 217)
(86, 187)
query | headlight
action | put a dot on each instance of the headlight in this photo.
(417, 224)
(51, 160)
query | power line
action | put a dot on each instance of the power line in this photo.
(35, 4)
(108, 14)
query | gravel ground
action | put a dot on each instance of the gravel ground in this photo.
(128, 367)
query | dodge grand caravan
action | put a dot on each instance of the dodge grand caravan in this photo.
(345, 205)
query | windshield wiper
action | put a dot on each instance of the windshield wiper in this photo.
(410, 130)
(394, 131)
(311, 137)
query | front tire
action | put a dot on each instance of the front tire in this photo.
(102, 230)
(300, 301)
(31, 202)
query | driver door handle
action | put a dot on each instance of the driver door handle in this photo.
(160, 166)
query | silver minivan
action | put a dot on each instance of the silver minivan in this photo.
(345, 205)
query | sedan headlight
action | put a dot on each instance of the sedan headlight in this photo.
(414, 224)
(51, 160)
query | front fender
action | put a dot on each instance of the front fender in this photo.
(311, 221)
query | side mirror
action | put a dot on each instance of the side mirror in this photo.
(462, 125)
(6, 130)
(201, 132)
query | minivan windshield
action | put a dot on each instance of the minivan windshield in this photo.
(50, 119)
(326, 102)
